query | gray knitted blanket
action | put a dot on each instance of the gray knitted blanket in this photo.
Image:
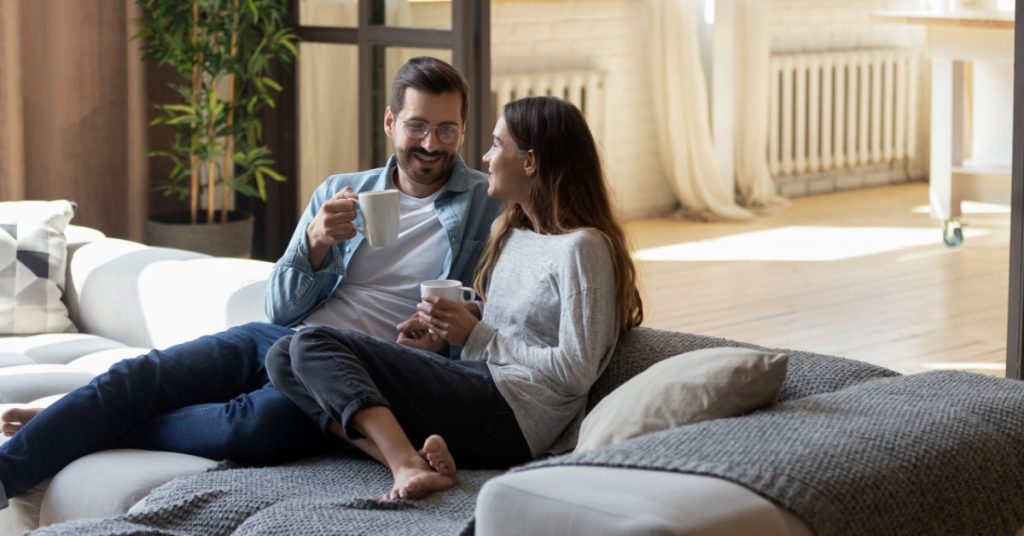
(320, 496)
(935, 453)
(932, 453)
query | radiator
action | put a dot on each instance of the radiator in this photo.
(585, 89)
(840, 110)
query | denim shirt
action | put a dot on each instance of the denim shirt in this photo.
(294, 289)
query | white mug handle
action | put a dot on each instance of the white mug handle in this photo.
(462, 294)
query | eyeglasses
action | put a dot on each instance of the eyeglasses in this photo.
(417, 130)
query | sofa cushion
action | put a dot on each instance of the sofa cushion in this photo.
(704, 384)
(35, 366)
(608, 500)
(24, 383)
(807, 373)
(164, 296)
(33, 257)
(116, 479)
(56, 348)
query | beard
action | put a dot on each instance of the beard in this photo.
(421, 172)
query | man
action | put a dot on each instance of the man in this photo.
(211, 397)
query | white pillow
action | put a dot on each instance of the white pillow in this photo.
(33, 255)
(704, 384)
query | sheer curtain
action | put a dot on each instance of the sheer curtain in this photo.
(754, 185)
(684, 133)
(72, 111)
(684, 129)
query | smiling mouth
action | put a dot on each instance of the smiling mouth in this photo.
(426, 158)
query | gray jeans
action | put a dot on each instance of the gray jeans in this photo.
(332, 374)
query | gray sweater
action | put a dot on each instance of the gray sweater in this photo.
(548, 330)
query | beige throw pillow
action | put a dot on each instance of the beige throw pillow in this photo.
(705, 384)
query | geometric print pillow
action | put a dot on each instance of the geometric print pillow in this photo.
(33, 256)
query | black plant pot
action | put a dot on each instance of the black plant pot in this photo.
(174, 230)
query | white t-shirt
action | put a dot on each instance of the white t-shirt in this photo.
(382, 285)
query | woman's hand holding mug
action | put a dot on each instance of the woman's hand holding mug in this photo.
(447, 310)
(453, 321)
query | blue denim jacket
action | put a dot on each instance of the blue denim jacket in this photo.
(294, 290)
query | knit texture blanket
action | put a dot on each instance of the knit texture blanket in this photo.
(319, 496)
(933, 453)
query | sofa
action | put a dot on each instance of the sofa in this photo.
(125, 297)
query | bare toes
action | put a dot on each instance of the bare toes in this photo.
(16, 418)
(435, 451)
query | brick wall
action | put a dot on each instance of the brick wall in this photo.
(597, 34)
(610, 35)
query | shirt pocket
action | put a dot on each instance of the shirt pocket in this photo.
(464, 266)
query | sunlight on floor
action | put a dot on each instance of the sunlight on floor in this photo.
(801, 243)
(970, 207)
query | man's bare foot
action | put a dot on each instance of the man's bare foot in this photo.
(435, 452)
(16, 418)
(417, 480)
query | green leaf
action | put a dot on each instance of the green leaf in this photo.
(273, 174)
(272, 83)
(184, 108)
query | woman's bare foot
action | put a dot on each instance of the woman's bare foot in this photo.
(16, 418)
(435, 452)
(417, 479)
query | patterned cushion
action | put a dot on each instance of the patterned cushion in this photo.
(808, 373)
(33, 253)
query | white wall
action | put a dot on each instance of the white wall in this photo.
(601, 34)
(610, 35)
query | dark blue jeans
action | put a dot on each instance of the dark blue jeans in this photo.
(209, 397)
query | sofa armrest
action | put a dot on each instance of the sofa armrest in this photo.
(156, 297)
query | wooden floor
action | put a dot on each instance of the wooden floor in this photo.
(861, 274)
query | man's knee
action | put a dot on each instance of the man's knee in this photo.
(273, 430)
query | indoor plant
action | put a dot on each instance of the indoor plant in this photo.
(221, 52)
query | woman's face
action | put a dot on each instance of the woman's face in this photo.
(507, 166)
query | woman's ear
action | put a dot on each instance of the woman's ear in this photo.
(530, 163)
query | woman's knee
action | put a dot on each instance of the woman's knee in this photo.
(278, 360)
(311, 346)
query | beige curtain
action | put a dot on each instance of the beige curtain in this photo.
(72, 110)
(683, 127)
(754, 184)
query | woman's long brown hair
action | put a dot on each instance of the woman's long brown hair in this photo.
(570, 193)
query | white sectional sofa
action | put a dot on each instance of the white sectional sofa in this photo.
(124, 298)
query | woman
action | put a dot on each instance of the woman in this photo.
(560, 287)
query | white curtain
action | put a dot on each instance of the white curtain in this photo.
(684, 132)
(684, 127)
(754, 185)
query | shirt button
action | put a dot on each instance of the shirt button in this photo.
(348, 250)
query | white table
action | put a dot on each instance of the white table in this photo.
(986, 40)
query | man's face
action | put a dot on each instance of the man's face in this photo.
(425, 159)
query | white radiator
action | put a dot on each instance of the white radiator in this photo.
(585, 89)
(840, 110)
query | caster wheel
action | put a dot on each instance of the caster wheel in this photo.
(952, 234)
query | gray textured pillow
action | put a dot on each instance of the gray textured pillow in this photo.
(695, 386)
(33, 255)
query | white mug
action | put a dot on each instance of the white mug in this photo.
(449, 289)
(379, 211)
